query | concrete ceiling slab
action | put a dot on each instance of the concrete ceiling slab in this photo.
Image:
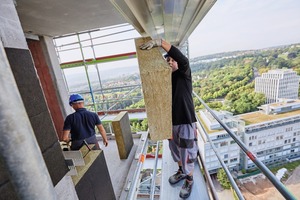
(59, 17)
(173, 20)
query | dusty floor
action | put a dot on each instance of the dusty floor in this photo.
(260, 188)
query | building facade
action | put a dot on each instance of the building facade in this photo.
(227, 148)
(274, 137)
(278, 84)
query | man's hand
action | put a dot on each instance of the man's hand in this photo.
(150, 44)
(105, 142)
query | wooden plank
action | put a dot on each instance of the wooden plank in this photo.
(157, 89)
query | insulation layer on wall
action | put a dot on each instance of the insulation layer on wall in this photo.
(157, 89)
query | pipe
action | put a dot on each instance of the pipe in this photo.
(207, 175)
(98, 72)
(154, 172)
(87, 74)
(19, 149)
(132, 191)
(280, 187)
(233, 183)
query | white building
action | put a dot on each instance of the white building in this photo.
(228, 150)
(273, 138)
(278, 84)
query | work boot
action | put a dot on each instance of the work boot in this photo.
(186, 189)
(175, 178)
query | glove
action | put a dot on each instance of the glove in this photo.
(150, 44)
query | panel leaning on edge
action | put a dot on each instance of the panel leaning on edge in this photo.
(157, 89)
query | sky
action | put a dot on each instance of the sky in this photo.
(233, 25)
(230, 25)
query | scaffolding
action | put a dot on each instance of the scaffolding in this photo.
(87, 46)
(93, 47)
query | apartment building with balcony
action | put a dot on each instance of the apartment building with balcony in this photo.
(272, 134)
(278, 84)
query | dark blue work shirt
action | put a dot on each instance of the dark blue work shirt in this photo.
(81, 124)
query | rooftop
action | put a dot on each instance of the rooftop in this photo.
(279, 71)
(259, 117)
(285, 103)
(208, 131)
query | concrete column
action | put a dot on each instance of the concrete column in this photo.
(50, 76)
(11, 33)
(23, 172)
(122, 130)
(29, 87)
(56, 74)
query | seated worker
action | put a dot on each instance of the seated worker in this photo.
(81, 124)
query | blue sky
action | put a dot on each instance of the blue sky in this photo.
(246, 24)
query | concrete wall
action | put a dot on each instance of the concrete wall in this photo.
(29, 87)
(56, 75)
(6, 187)
(11, 33)
(93, 181)
(50, 79)
(36, 107)
(43, 97)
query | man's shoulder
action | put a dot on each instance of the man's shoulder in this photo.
(81, 110)
(91, 113)
(85, 111)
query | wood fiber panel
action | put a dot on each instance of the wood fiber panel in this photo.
(157, 89)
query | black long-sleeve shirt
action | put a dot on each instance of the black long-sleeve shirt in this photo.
(183, 110)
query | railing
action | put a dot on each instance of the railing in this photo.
(152, 188)
(206, 173)
(107, 105)
(231, 180)
(280, 187)
(142, 155)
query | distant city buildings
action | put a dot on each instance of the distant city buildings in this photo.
(278, 84)
(272, 134)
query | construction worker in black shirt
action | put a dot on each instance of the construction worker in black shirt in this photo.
(183, 144)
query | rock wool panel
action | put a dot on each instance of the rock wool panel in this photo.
(157, 89)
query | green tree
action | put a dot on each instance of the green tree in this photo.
(292, 55)
(222, 178)
(144, 125)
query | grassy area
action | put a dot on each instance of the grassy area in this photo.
(258, 117)
(205, 126)
(289, 166)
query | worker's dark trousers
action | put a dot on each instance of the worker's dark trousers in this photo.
(77, 144)
(183, 146)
